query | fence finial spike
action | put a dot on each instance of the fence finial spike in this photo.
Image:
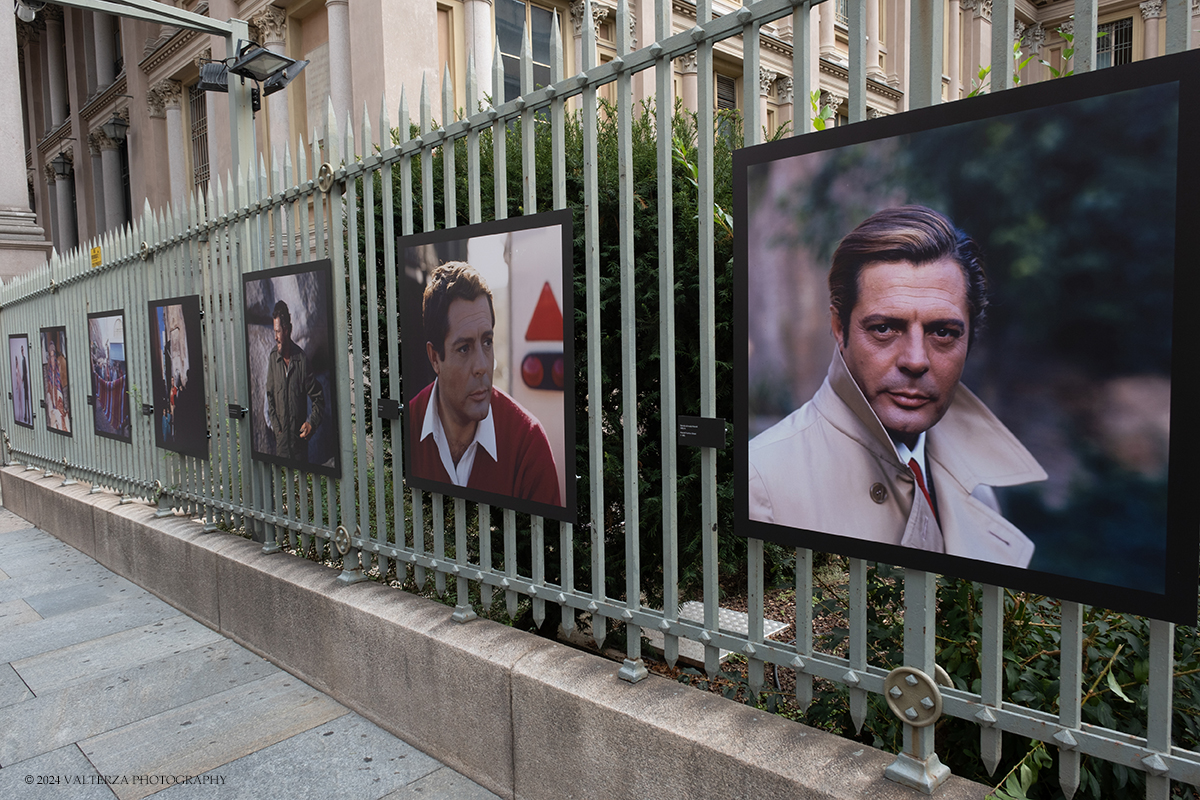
(403, 124)
(426, 110)
(526, 57)
(447, 96)
(556, 56)
(472, 86)
(624, 45)
(497, 74)
(385, 123)
(589, 37)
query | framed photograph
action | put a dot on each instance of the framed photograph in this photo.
(110, 375)
(56, 380)
(968, 342)
(177, 376)
(289, 357)
(486, 326)
(22, 395)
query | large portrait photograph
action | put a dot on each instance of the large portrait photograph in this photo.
(177, 376)
(487, 342)
(110, 378)
(22, 396)
(964, 340)
(289, 356)
(56, 380)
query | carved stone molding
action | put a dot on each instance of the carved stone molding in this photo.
(632, 30)
(687, 63)
(52, 14)
(981, 8)
(786, 90)
(98, 140)
(271, 23)
(1068, 27)
(1034, 38)
(1151, 9)
(205, 55)
(577, 16)
(29, 32)
(48, 173)
(169, 93)
(766, 80)
(832, 100)
(876, 113)
(1018, 31)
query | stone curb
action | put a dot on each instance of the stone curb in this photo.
(527, 718)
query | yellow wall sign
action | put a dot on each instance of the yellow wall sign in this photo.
(95, 256)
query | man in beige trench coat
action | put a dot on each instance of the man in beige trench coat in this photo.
(892, 448)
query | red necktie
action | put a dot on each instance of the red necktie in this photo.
(916, 469)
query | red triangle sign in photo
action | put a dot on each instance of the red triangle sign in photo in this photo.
(546, 325)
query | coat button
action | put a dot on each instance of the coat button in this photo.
(879, 493)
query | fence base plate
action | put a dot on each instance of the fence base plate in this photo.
(924, 776)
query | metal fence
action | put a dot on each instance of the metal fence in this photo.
(290, 214)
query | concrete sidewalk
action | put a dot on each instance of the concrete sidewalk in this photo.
(107, 691)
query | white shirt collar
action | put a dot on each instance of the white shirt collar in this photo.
(485, 437)
(917, 452)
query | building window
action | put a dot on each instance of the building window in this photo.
(511, 18)
(126, 194)
(726, 92)
(841, 14)
(1114, 45)
(118, 55)
(198, 106)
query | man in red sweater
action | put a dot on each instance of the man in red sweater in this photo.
(465, 431)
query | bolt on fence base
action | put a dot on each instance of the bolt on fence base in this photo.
(271, 547)
(463, 613)
(349, 576)
(633, 671)
(924, 776)
(68, 481)
(164, 507)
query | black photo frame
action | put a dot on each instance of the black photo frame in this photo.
(1080, 193)
(526, 262)
(56, 381)
(177, 376)
(22, 394)
(111, 412)
(307, 292)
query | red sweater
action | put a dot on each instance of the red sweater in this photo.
(525, 469)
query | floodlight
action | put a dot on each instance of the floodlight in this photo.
(27, 9)
(257, 62)
(214, 77)
(281, 79)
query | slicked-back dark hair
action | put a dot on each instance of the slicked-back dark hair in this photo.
(912, 234)
(454, 280)
(281, 313)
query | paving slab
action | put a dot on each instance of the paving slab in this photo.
(350, 757)
(12, 688)
(50, 578)
(444, 784)
(16, 612)
(94, 658)
(83, 710)
(203, 735)
(62, 774)
(81, 596)
(83, 625)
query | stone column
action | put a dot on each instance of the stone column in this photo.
(954, 28)
(1152, 12)
(787, 110)
(23, 244)
(102, 32)
(98, 180)
(766, 83)
(689, 87)
(272, 25)
(341, 88)
(834, 102)
(56, 67)
(64, 200)
(165, 100)
(114, 191)
(1032, 40)
(977, 47)
(827, 37)
(873, 68)
(481, 42)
